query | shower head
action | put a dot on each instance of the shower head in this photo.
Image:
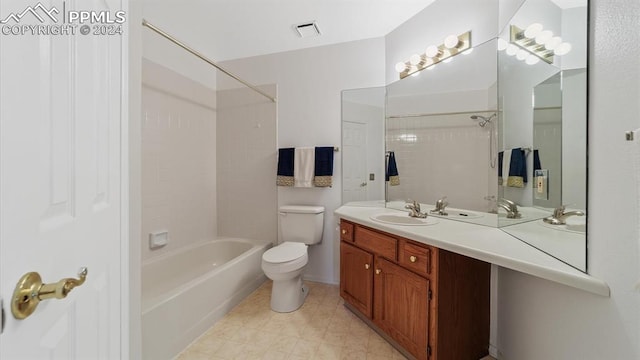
(483, 119)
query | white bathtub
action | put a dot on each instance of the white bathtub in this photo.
(185, 293)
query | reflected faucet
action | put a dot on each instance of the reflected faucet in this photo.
(510, 207)
(441, 204)
(559, 216)
(414, 208)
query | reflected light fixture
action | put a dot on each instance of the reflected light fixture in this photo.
(451, 46)
(536, 41)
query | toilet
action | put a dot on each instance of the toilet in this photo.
(300, 226)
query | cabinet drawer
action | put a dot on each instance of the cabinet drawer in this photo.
(381, 244)
(415, 257)
(346, 231)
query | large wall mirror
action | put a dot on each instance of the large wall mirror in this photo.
(542, 92)
(499, 133)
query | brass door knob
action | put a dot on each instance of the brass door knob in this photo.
(412, 258)
(30, 291)
(378, 271)
(344, 231)
(366, 266)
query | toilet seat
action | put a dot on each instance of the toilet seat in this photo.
(288, 256)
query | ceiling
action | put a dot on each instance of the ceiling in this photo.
(231, 29)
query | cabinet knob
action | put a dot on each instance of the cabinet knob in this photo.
(344, 231)
(366, 266)
(412, 258)
(378, 271)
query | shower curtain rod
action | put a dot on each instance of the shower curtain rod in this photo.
(204, 58)
(435, 114)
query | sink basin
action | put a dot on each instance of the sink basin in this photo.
(574, 226)
(459, 214)
(399, 219)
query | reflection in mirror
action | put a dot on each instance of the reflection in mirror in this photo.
(551, 128)
(441, 127)
(363, 146)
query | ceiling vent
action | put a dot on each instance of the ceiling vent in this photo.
(307, 29)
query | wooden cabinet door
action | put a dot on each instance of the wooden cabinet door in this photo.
(401, 306)
(356, 279)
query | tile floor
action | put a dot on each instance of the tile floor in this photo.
(321, 329)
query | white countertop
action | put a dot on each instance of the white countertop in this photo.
(483, 243)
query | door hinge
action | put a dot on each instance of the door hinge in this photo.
(428, 350)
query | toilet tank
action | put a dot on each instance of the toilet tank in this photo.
(301, 223)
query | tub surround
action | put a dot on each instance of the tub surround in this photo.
(186, 292)
(483, 243)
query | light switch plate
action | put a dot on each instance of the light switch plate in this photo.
(158, 239)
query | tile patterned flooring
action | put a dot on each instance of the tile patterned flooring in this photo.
(321, 329)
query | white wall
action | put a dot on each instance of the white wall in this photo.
(543, 320)
(178, 159)
(246, 157)
(309, 85)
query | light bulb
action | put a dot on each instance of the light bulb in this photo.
(533, 30)
(553, 43)
(468, 51)
(511, 49)
(522, 54)
(502, 44)
(415, 59)
(432, 51)
(562, 49)
(451, 42)
(532, 60)
(543, 37)
(400, 67)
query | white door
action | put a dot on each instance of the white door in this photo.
(354, 144)
(60, 179)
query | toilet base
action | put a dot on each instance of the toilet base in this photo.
(288, 295)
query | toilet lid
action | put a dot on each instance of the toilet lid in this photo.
(285, 252)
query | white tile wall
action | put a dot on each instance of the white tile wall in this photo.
(178, 159)
(442, 155)
(246, 152)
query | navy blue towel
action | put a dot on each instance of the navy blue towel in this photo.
(391, 174)
(517, 168)
(285, 167)
(536, 161)
(323, 173)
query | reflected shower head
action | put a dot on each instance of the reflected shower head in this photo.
(484, 119)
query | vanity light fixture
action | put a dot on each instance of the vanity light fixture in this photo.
(452, 46)
(538, 42)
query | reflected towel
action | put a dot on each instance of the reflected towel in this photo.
(285, 167)
(504, 167)
(391, 174)
(323, 166)
(517, 168)
(536, 161)
(303, 166)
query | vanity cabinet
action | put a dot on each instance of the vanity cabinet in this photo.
(432, 303)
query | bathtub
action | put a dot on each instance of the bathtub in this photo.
(184, 293)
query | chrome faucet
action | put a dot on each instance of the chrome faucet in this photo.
(441, 204)
(510, 207)
(559, 216)
(414, 208)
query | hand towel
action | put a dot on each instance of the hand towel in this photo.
(517, 168)
(505, 166)
(285, 167)
(536, 161)
(391, 174)
(323, 166)
(303, 166)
